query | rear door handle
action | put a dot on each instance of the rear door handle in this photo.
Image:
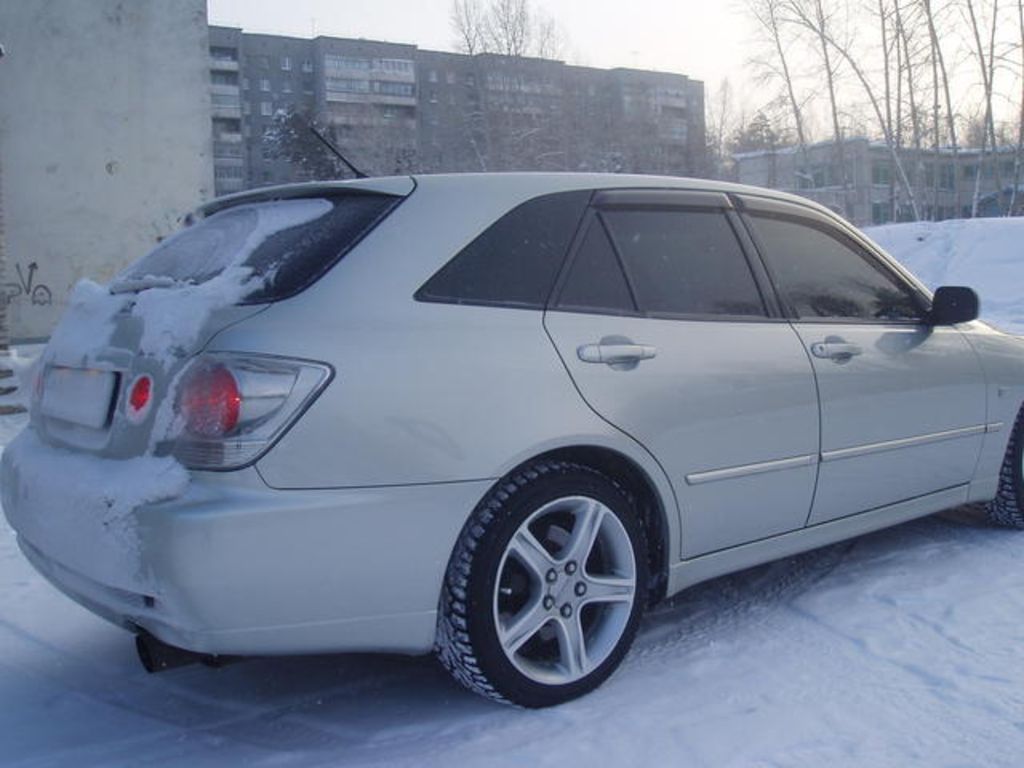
(837, 350)
(612, 354)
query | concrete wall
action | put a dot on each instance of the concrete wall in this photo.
(104, 140)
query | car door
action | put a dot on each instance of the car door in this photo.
(902, 402)
(664, 324)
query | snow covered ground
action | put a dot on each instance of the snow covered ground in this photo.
(902, 648)
(985, 254)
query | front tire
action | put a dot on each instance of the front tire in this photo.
(546, 586)
(1007, 508)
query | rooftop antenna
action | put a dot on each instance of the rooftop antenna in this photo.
(337, 152)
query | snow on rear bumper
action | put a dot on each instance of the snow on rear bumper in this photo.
(234, 567)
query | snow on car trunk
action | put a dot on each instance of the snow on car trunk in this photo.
(84, 462)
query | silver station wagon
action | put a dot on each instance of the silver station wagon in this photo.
(494, 416)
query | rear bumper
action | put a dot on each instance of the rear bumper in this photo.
(234, 567)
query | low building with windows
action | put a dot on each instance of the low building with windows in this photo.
(394, 108)
(860, 180)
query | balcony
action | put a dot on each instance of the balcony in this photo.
(226, 152)
(226, 137)
(220, 64)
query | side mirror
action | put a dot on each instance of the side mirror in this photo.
(953, 304)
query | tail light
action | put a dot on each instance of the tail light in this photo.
(232, 408)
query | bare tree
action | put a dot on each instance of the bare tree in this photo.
(467, 21)
(812, 16)
(1020, 118)
(549, 40)
(508, 27)
(816, 21)
(719, 120)
(766, 12)
(986, 65)
(505, 27)
(940, 61)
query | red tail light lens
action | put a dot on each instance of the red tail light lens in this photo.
(210, 401)
(232, 407)
(140, 395)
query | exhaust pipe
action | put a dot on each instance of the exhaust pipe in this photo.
(157, 656)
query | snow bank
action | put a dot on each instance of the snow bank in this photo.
(985, 254)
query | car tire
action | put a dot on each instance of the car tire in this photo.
(1007, 508)
(546, 586)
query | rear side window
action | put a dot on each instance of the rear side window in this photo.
(821, 273)
(288, 243)
(685, 262)
(515, 261)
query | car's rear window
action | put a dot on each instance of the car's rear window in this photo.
(288, 244)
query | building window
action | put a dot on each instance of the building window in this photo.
(307, 65)
(245, 83)
(335, 63)
(449, 77)
(266, 108)
(265, 85)
(947, 176)
(881, 174)
(881, 213)
(246, 108)
(347, 85)
(287, 86)
(307, 86)
(227, 172)
(432, 76)
(286, 63)
(392, 89)
(393, 65)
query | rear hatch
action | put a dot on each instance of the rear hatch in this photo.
(110, 377)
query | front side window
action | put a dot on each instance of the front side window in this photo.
(822, 273)
(684, 262)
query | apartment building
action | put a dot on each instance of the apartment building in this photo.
(861, 181)
(395, 108)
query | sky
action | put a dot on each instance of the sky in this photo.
(704, 39)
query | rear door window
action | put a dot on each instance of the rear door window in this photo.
(596, 281)
(288, 244)
(685, 262)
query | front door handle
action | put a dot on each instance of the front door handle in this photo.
(836, 349)
(613, 354)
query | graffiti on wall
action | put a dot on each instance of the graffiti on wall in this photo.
(38, 293)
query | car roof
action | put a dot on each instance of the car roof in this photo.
(526, 184)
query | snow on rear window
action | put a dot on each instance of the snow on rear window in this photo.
(283, 245)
